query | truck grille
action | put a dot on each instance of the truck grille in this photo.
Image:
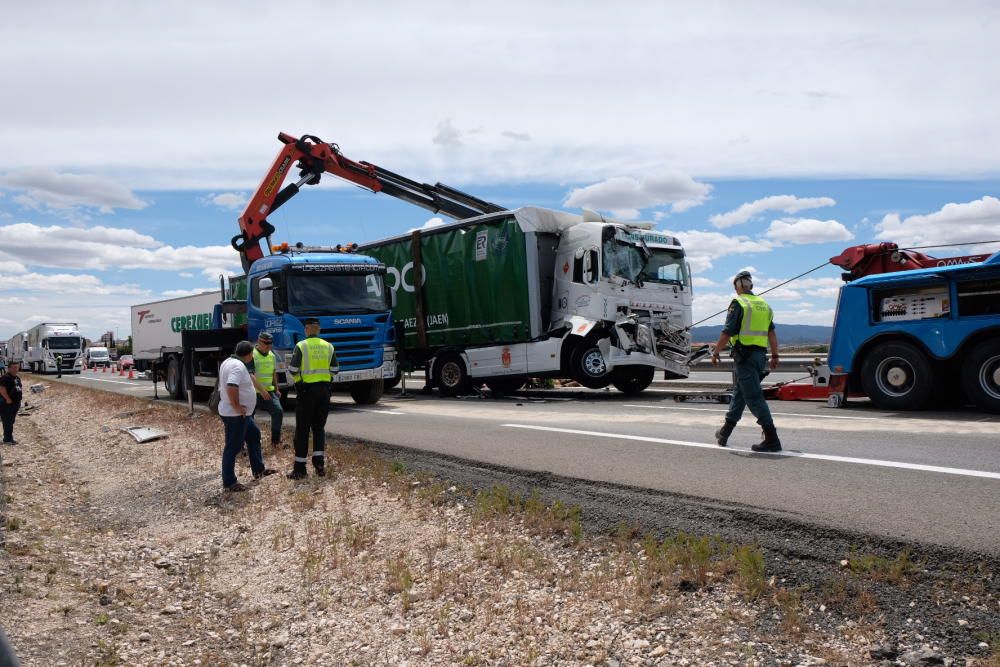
(355, 347)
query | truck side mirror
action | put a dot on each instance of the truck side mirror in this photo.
(266, 295)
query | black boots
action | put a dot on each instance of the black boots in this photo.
(298, 471)
(770, 443)
(722, 435)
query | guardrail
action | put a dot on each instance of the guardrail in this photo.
(785, 364)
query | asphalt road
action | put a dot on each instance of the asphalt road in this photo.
(930, 478)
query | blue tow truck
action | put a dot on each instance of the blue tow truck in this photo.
(914, 338)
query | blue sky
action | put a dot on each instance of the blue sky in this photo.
(769, 135)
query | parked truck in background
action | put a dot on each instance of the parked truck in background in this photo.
(536, 293)
(16, 347)
(912, 337)
(52, 343)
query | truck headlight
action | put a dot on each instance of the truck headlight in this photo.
(389, 354)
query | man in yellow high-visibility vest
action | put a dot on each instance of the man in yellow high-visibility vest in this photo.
(750, 327)
(265, 382)
(312, 366)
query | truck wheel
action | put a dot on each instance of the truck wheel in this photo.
(172, 381)
(588, 366)
(981, 375)
(450, 374)
(897, 376)
(393, 381)
(632, 380)
(366, 392)
(505, 385)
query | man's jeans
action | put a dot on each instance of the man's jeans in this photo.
(240, 430)
(273, 408)
(747, 392)
(9, 413)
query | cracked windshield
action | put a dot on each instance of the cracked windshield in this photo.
(629, 261)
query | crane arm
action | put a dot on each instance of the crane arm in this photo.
(872, 258)
(314, 157)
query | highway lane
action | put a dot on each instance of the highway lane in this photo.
(924, 477)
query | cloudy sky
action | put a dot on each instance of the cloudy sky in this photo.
(764, 135)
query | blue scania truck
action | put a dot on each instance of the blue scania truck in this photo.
(184, 340)
(917, 338)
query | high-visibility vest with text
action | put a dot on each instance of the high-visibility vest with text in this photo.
(757, 318)
(315, 364)
(263, 368)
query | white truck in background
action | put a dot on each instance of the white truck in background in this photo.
(50, 343)
(156, 333)
(16, 347)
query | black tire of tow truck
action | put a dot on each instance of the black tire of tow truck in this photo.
(981, 376)
(172, 380)
(897, 376)
(450, 375)
(367, 392)
(632, 380)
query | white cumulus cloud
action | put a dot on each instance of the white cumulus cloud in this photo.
(702, 247)
(46, 187)
(785, 203)
(798, 231)
(625, 196)
(973, 221)
(228, 200)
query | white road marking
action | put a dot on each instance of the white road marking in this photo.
(377, 412)
(783, 414)
(132, 384)
(800, 455)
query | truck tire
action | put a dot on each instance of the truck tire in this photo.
(897, 376)
(393, 381)
(632, 380)
(367, 392)
(172, 380)
(505, 385)
(588, 367)
(450, 375)
(981, 375)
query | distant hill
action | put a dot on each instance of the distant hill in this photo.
(788, 334)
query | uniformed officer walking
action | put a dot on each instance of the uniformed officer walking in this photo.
(312, 366)
(750, 328)
(268, 393)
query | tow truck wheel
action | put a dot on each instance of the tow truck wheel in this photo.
(172, 381)
(367, 392)
(981, 375)
(450, 374)
(632, 380)
(897, 376)
(588, 366)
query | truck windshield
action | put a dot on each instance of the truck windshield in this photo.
(330, 294)
(640, 263)
(64, 343)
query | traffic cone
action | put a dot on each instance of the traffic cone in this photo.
(131, 374)
(104, 369)
(121, 371)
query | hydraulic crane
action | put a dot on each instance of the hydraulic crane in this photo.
(314, 157)
(872, 258)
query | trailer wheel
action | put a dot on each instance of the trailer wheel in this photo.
(172, 381)
(897, 376)
(366, 392)
(588, 366)
(450, 374)
(981, 375)
(632, 380)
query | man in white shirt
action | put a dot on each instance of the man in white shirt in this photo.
(236, 404)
